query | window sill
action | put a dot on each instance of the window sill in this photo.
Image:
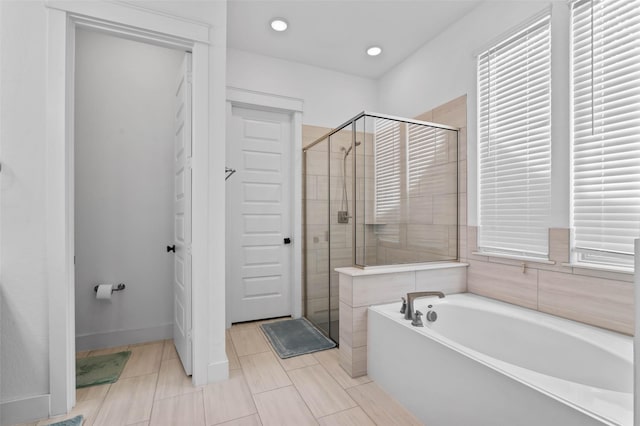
(514, 257)
(603, 268)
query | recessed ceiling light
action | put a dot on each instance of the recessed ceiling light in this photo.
(374, 51)
(279, 24)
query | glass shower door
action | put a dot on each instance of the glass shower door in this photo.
(316, 226)
(341, 217)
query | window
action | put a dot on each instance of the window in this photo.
(514, 113)
(606, 130)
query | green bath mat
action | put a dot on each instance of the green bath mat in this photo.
(101, 369)
(295, 337)
(76, 421)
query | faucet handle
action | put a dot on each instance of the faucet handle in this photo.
(417, 320)
(403, 309)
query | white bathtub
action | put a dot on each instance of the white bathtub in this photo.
(485, 362)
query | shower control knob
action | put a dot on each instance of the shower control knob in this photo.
(432, 316)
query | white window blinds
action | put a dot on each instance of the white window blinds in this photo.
(514, 113)
(388, 189)
(606, 130)
(427, 147)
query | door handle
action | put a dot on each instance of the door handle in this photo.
(171, 248)
(287, 240)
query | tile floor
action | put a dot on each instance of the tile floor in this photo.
(262, 389)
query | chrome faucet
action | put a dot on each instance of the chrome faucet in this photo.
(408, 313)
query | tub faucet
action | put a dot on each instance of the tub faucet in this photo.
(408, 314)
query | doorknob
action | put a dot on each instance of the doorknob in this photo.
(287, 240)
(171, 248)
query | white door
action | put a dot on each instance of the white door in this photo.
(182, 216)
(258, 215)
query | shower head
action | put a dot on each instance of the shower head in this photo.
(349, 149)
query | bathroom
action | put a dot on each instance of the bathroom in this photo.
(436, 83)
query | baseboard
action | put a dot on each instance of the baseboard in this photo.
(110, 339)
(218, 371)
(24, 410)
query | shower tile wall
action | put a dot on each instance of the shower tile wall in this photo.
(452, 113)
(432, 231)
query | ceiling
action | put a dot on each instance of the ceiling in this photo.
(336, 34)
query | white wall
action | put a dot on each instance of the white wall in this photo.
(23, 285)
(124, 188)
(445, 68)
(330, 97)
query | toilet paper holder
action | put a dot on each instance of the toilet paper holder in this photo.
(119, 287)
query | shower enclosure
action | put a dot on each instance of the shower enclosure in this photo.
(378, 190)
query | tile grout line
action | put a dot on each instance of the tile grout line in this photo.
(204, 407)
(236, 349)
(244, 378)
(101, 406)
(104, 398)
(364, 410)
(253, 395)
(155, 389)
(256, 353)
(347, 409)
(339, 386)
(301, 397)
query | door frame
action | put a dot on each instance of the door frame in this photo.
(237, 97)
(154, 27)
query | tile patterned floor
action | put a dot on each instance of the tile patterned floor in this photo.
(262, 389)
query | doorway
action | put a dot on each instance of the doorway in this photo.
(165, 29)
(132, 192)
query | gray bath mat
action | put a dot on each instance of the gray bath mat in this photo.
(76, 421)
(295, 337)
(100, 369)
